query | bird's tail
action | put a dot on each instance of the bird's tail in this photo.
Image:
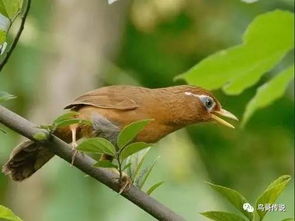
(29, 156)
(26, 159)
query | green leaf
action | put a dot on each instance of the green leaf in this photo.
(7, 214)
(130, 132)
(127, 166)
(139, 165)
(145, 174)
(69, 122)
(288, 219)
(154, 187)
(10, 8)
(66, 116)
(272, 192)
(69, 118)
(4, 96)
(97, 145)
(105, 164)
(222, 216)
(265, 42)
(132, 149)
(269, 92)
(234, 197)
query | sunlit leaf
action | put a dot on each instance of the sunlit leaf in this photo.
(129, 132)
(234, 197)
(97, 145)
(269, 92)
(154, 187)
(105, 164)
(7, 214)
(272, 192)
(222, 216)
(133, 148)
(4, 96)
(265, 42)
(10, 8)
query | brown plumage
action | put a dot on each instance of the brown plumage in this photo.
(113, 108)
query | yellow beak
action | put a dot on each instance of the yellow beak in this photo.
(224, 113)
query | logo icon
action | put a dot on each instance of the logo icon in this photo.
(247, 207)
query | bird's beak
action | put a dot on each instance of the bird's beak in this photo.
(223, 113)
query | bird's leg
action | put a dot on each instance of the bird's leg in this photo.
(74, 144)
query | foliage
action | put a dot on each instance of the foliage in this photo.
(268, 197)
(66, 119)
(121, 151)
(4, 96)
(9, 9)
(265, 42)
(7, 214)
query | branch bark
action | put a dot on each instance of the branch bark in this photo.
(84, 163)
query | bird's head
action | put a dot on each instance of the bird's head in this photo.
(204, 107)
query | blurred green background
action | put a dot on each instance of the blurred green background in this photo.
(69, 47)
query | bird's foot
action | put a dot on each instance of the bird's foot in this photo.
(125, 183)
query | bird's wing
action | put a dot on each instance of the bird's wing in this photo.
(103, 99)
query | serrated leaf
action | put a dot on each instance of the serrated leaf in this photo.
(234, 197)
(132, 149)
(269, 92)
(105, 164)
(97, 145)
(272, 192)
(4, 96)
(222, 216)
(265, 42)
(128, 133)
(10, 8)
(154, 187)
(7, 214)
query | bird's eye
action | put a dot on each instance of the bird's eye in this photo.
(208, 102)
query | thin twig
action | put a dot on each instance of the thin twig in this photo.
(85, 164)
(17, 37)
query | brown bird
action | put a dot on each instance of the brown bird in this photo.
(111, 108)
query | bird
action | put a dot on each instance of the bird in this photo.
(111, 108)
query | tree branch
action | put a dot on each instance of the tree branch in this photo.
(18, 34)
(84, 163)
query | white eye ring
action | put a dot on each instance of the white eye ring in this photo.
(206, 100)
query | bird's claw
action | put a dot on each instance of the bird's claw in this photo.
(125, 183)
